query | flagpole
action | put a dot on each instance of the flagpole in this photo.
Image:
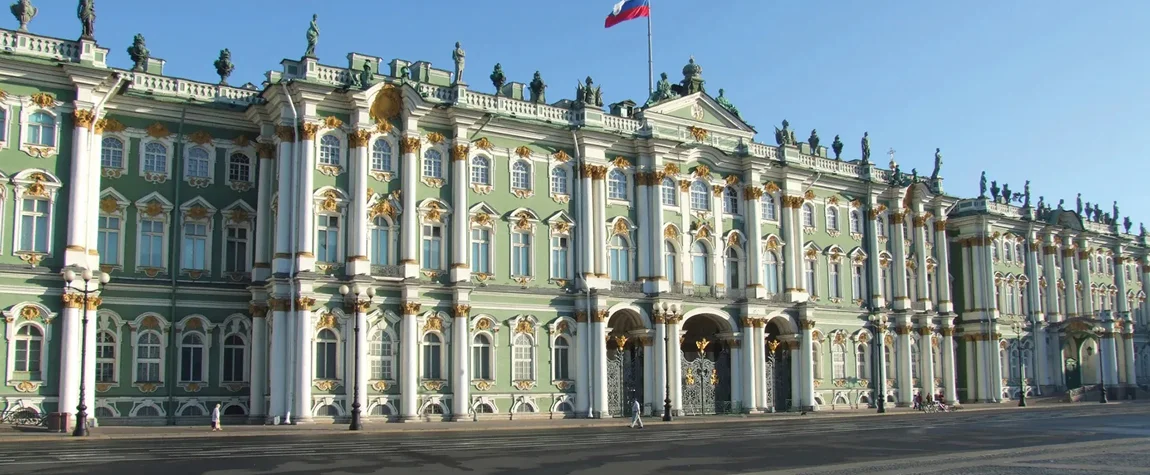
(650, 57)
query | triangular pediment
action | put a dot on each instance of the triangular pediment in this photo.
(699, 108)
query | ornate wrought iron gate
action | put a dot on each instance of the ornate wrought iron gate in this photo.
(778, 378)
(707, 385)
(624, 380)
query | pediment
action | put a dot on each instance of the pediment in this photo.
(698, 108)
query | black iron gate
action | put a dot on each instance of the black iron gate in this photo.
(707, 384)
(624, 380)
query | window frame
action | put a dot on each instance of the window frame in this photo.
(38, 185)
(614, 186)
(29, 109)
(187, 217)
(474, 348)
(386, 359)
(555, 359)
(210, 162)
(107, 200)
(337, 343)
(154, 176)
(182, 359)
(521, 176)
(672, 192)
(531, 361)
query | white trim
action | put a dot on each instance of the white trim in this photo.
(628, 185)
(227, 224)
(530, 189)
(26, 182)
(236, 324)
(126, 141)
(342, 202)
(6, 106)
(169, 153)
(160, 330)
(15, 320)
(110, 322)
(198, 181)
(121, 213)
(203, 329)
(27, 109)
(253, 173)
(444, 335)
(164, 217)
(493, 355)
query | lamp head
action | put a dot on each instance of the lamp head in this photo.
(69, 275)
(355, 289)
(370, 292)
(343, 290)
(105, 277)
(86, 275)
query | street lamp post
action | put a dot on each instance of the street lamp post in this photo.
(87, 277)
(879, 324)
(356, 292)
(667, 369)
(1018, 328)
(1102, 369)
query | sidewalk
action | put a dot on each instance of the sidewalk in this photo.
(15, 434)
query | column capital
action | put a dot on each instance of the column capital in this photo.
(462, 311)
(359, 138)
(409, 144)
(410, 307)
(285, 133)
(84, 118)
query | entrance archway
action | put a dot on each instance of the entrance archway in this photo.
(777, 368)
(706, 366)
(624, 362)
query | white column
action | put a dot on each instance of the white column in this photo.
(737, 358)
(949, 379)
(409, 358)
(461, 386)
(754, 212)
(919, 231)
(75, 251)
(650, 397)
(363, 371)
(257, 405)
(1086, 305)
(898, 269)
(797, 375)
(89, 369)
(460, 268)
(261, 269)
(69, 396)
(409, 242)
(658, 262)
(92, 201)
(358, 261)
(902, 331)
(286, 166)
(749, 358)
(599, 348)
(792, 235)
(874, 266)
(1128, 353)
(660, 363)
(582, 353)
(586, 225)
(1069, 264)
(676, 358)
(646, 246)
(301, 410)
(304, 252)
(279, 357)
(806, 349)
(599, 222)
(926, 361)
(942, 270)
(1109, 350)
(718, 261)
(758, 340)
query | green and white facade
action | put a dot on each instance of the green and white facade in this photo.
(528, 258)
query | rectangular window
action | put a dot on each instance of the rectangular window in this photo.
(325, 355)
(559, 252)
(105, 359)
(380, 241)
(431, 363)
(34, 225)
(432, 240)
(562, 355)
(108, 240)
(809, 271)
(835, 281)
(520, 254)
(233, 363)
(481, 364)
(523, 368)
(481, 251)
(192, 364)
(327, 242)
(151, 243)
(857, 282)
(237, 250)
(195, 246)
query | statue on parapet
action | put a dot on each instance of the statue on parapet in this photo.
(589, 95)
(726, 104)
(663, 91)
(1006, 196)
(86, 12)
(1079, 206)
(982, 186)
(937, 165)
(837, 147)
(312, 36)
(1126, 223)
(866, 148)
(994, 189)
(138, 52)
(1026, 194)
(459, 56)
(538, 88)
(813, 140)
(24, 13)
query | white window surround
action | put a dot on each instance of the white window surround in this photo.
(834, 218)
(511, 179)
(390, 166)
(109, 321)
(189, 148)
(526, 325)
(435, 213)
(669, 192)
(479, 170)
(444, 164)
(341, 331)
(149, 322)
(765, 216)
(169, 146)
(238, 215)
(125, 157)
(473, 259)
(108, 197)
(445, 342)
(492, 355)
(564, 194)
(199, 325)
(17, 318)
(628, 182)
(7, 105)
(523, 220)
(330, 201)
(561, 225)
(386, 322)
(37, 184)
(198, 211)
(341, 157)
(156, 208)
(253, 162)
(236, 324)
(562, 327)
(28, 107)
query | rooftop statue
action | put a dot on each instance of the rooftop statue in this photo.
(913, 175)
(24, 13)
(459, 56)
(312, 36)
(366, 75)
(1097, 212)
(663, 91)
(224, 66)
(538, 88)
(1126, 223)
(589, 95)
(937, 164)
(784, 136)
(1115, 214)
(498, 79)
(982, 186)
(994, 189)
(1079, 208)
(1041, 203)
(1006, 196)
(837, 147)
(1141, 229)
(1061, 203)
(138, 52)
(86, 12)
(692, 79)
(866, 147)
(1089, 211)
(722, 101)
(1026, 194)
(813, 140)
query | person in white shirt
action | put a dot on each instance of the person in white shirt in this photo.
(216, 418)
(635, 410)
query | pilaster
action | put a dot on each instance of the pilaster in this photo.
(1069, 271)
(1051, 305)
(358, 261)
(645, 246)
(874, 248)
(261, 268)
(1086, 300)
(409, 171)
(793, 235)
(949, 376)
(942, 270)
(582, 363)
(923, 302)
(461, 386)
(750, 358)
(301, 400)
(409, 359)
(675, 351)
(305, 247)
(901, 300)
(586, 226)
(599, 348)
(902, 329)
(806, 401)
(660, 360)
(76, 250)
(752, 203)
(257, 404)
(460, 156)
(926, 345)
(287, 168)
(280, 332)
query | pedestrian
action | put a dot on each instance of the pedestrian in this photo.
(216, 418)
(635, 418)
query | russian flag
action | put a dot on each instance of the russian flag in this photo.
(628, 10)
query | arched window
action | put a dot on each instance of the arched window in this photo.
(381, 156)
(381, 352)
(733, 281)
(862, 369)
(619, 254)
(111, 153)
(730, 200)
(235, 363)
(106, 357)
(561, 360)
(155, 158)
(832, 218)
(700, 196)
(433, 164)
(148, 411)
(770, 209)
(234, 410)
(670, 261)
(771, 272)
(994, 250)
(559, 181)
(617, 185)
(480, 171)
(329, 151)
(1007, 252)
(326, 355)
(481, 357)
(192, 358)
(192, 411)
(432, 356)
(808, 215)
(1018, 254)
(856, 222)
(41, 129)
(838, 361)
(817, 359)
(380, 241)
(700, 262)
(670, 192)
(148, 358)
(834, 278)
(523, 358)
(520, 176)
(198, 163)
(29, 350)
(239, 168)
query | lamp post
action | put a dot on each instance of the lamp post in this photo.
(1018, 327)
(86, 276)
(356, 292)
(667, 390)
(1102, 368)
(878, 322)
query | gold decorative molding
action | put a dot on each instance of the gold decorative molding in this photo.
(433, 385)
(435, 138)
(327, 384)
(379, 386)
(484, 144)
(309, 130)
(44, 100)
(699, 133)
(460, 152)
(702, 171)
(523, 151)
(561, 156)
(621, 162)
(108, 124)
(524, 385)
(27, 386)
(285, 133)
(410, 144)
(158, 130)
(84, 118)
(200, 137)
(332, 122)
(387, 105)
(359, 138)
(483, 385)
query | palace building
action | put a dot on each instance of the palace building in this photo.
(506, 255)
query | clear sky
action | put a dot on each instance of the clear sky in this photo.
(1054, 91)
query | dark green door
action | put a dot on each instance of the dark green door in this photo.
(1073, 374)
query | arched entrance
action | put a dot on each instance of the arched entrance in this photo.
(777, 368)
(1080, 358)
(706, 366)
(624, 362)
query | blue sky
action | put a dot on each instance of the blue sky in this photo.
(1053, 91)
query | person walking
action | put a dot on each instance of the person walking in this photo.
(635, 417)
(216, 418)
